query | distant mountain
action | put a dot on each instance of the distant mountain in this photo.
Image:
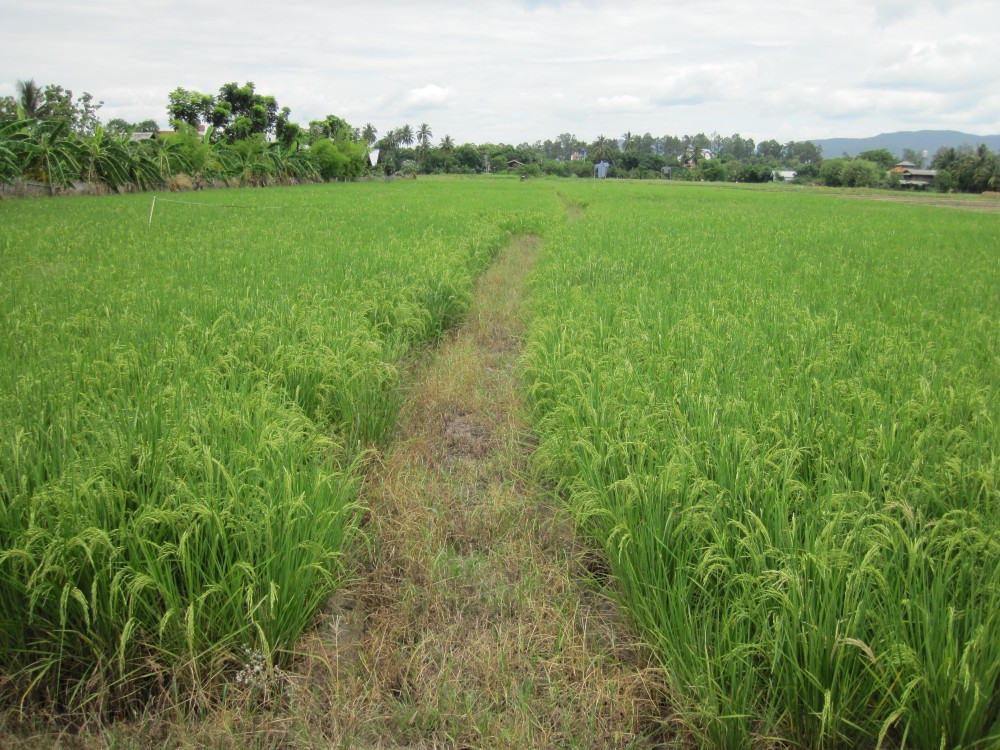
(919, 140)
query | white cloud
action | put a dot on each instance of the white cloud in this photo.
(527, 70)
(429, 95)
(942, 64)
(620, 103)
(641, 53)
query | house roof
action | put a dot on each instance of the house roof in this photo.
(907, 165)
(920, 172)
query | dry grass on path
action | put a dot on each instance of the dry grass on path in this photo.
(477, 631)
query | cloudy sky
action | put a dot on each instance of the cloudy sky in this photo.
(525, 70)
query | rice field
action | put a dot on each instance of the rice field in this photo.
(186, 404)
(776, 414)
(773, 413)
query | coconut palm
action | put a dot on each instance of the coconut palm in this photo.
(602, 148)
(390, 140)
(31, 98)
(369, 133)
(447, 146)
(424, 135)
(424, 141)
(406, 135)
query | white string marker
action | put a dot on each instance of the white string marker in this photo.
(151, 211)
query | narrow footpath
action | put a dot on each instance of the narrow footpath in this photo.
(472, 627)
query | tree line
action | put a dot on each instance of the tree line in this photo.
(240, 136)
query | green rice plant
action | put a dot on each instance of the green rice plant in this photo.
(185, 408)
(776, 414)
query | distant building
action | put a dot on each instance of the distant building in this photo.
(580, 155)
(910, 176)
(784, 175)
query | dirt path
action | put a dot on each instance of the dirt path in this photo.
(472, 628)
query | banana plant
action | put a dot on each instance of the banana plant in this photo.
(14, 147)
(166, 158)
(104, 158)
(52, 154)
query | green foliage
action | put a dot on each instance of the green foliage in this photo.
(237, 112)
(529, 170)
(50, 155)
(190, 107)
(944, 182)
(53, 102)
(753, 173)
(182, 410)
(831, 172)
(803, 152)
(851, 173)
(778, 423)
(15, 148)
(106, 158)
(769, 149)
(341, 160)
(880, 156)
(468, 156)
(861, 173)
(973, 170)
(713, 170)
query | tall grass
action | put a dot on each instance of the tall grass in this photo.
(183, 409)
(777, 414)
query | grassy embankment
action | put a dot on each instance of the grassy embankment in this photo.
(183, 408)
(778, 416)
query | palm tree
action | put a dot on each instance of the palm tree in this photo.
(31, 98)
(424, 139)
(390, 140)
(629, 142)
(405, 135)
(602, 148)
(424, 135)
(369, 133)
(447, 146)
